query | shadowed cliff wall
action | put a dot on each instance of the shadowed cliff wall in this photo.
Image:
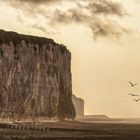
(35, 77)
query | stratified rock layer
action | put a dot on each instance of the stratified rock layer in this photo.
(35, 77)
(79, 105)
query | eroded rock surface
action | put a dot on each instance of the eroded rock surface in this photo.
(35, 77)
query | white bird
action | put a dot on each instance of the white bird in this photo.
(133, 94)
(136, 100)
(132, 84)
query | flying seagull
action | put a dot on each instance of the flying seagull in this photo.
(133, 94)
(132, 84)
(136, 100)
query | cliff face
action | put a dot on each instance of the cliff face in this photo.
(79, 105)
(35, 77)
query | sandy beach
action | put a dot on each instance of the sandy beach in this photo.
(70, 131)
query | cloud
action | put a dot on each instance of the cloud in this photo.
(99, 25)
(106, 7)
(35, 1)
(94, 14)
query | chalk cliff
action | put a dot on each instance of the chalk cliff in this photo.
(79, 105)
(35, 77)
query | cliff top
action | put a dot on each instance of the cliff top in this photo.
(15, 38)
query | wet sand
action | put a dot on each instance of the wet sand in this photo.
(70, 131)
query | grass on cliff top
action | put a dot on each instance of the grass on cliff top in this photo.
(15, 38)
(6, 37)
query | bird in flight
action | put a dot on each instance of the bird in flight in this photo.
(132, 84)
(133, 94)
(136, 100)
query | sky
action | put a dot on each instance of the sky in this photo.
(103, 37)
